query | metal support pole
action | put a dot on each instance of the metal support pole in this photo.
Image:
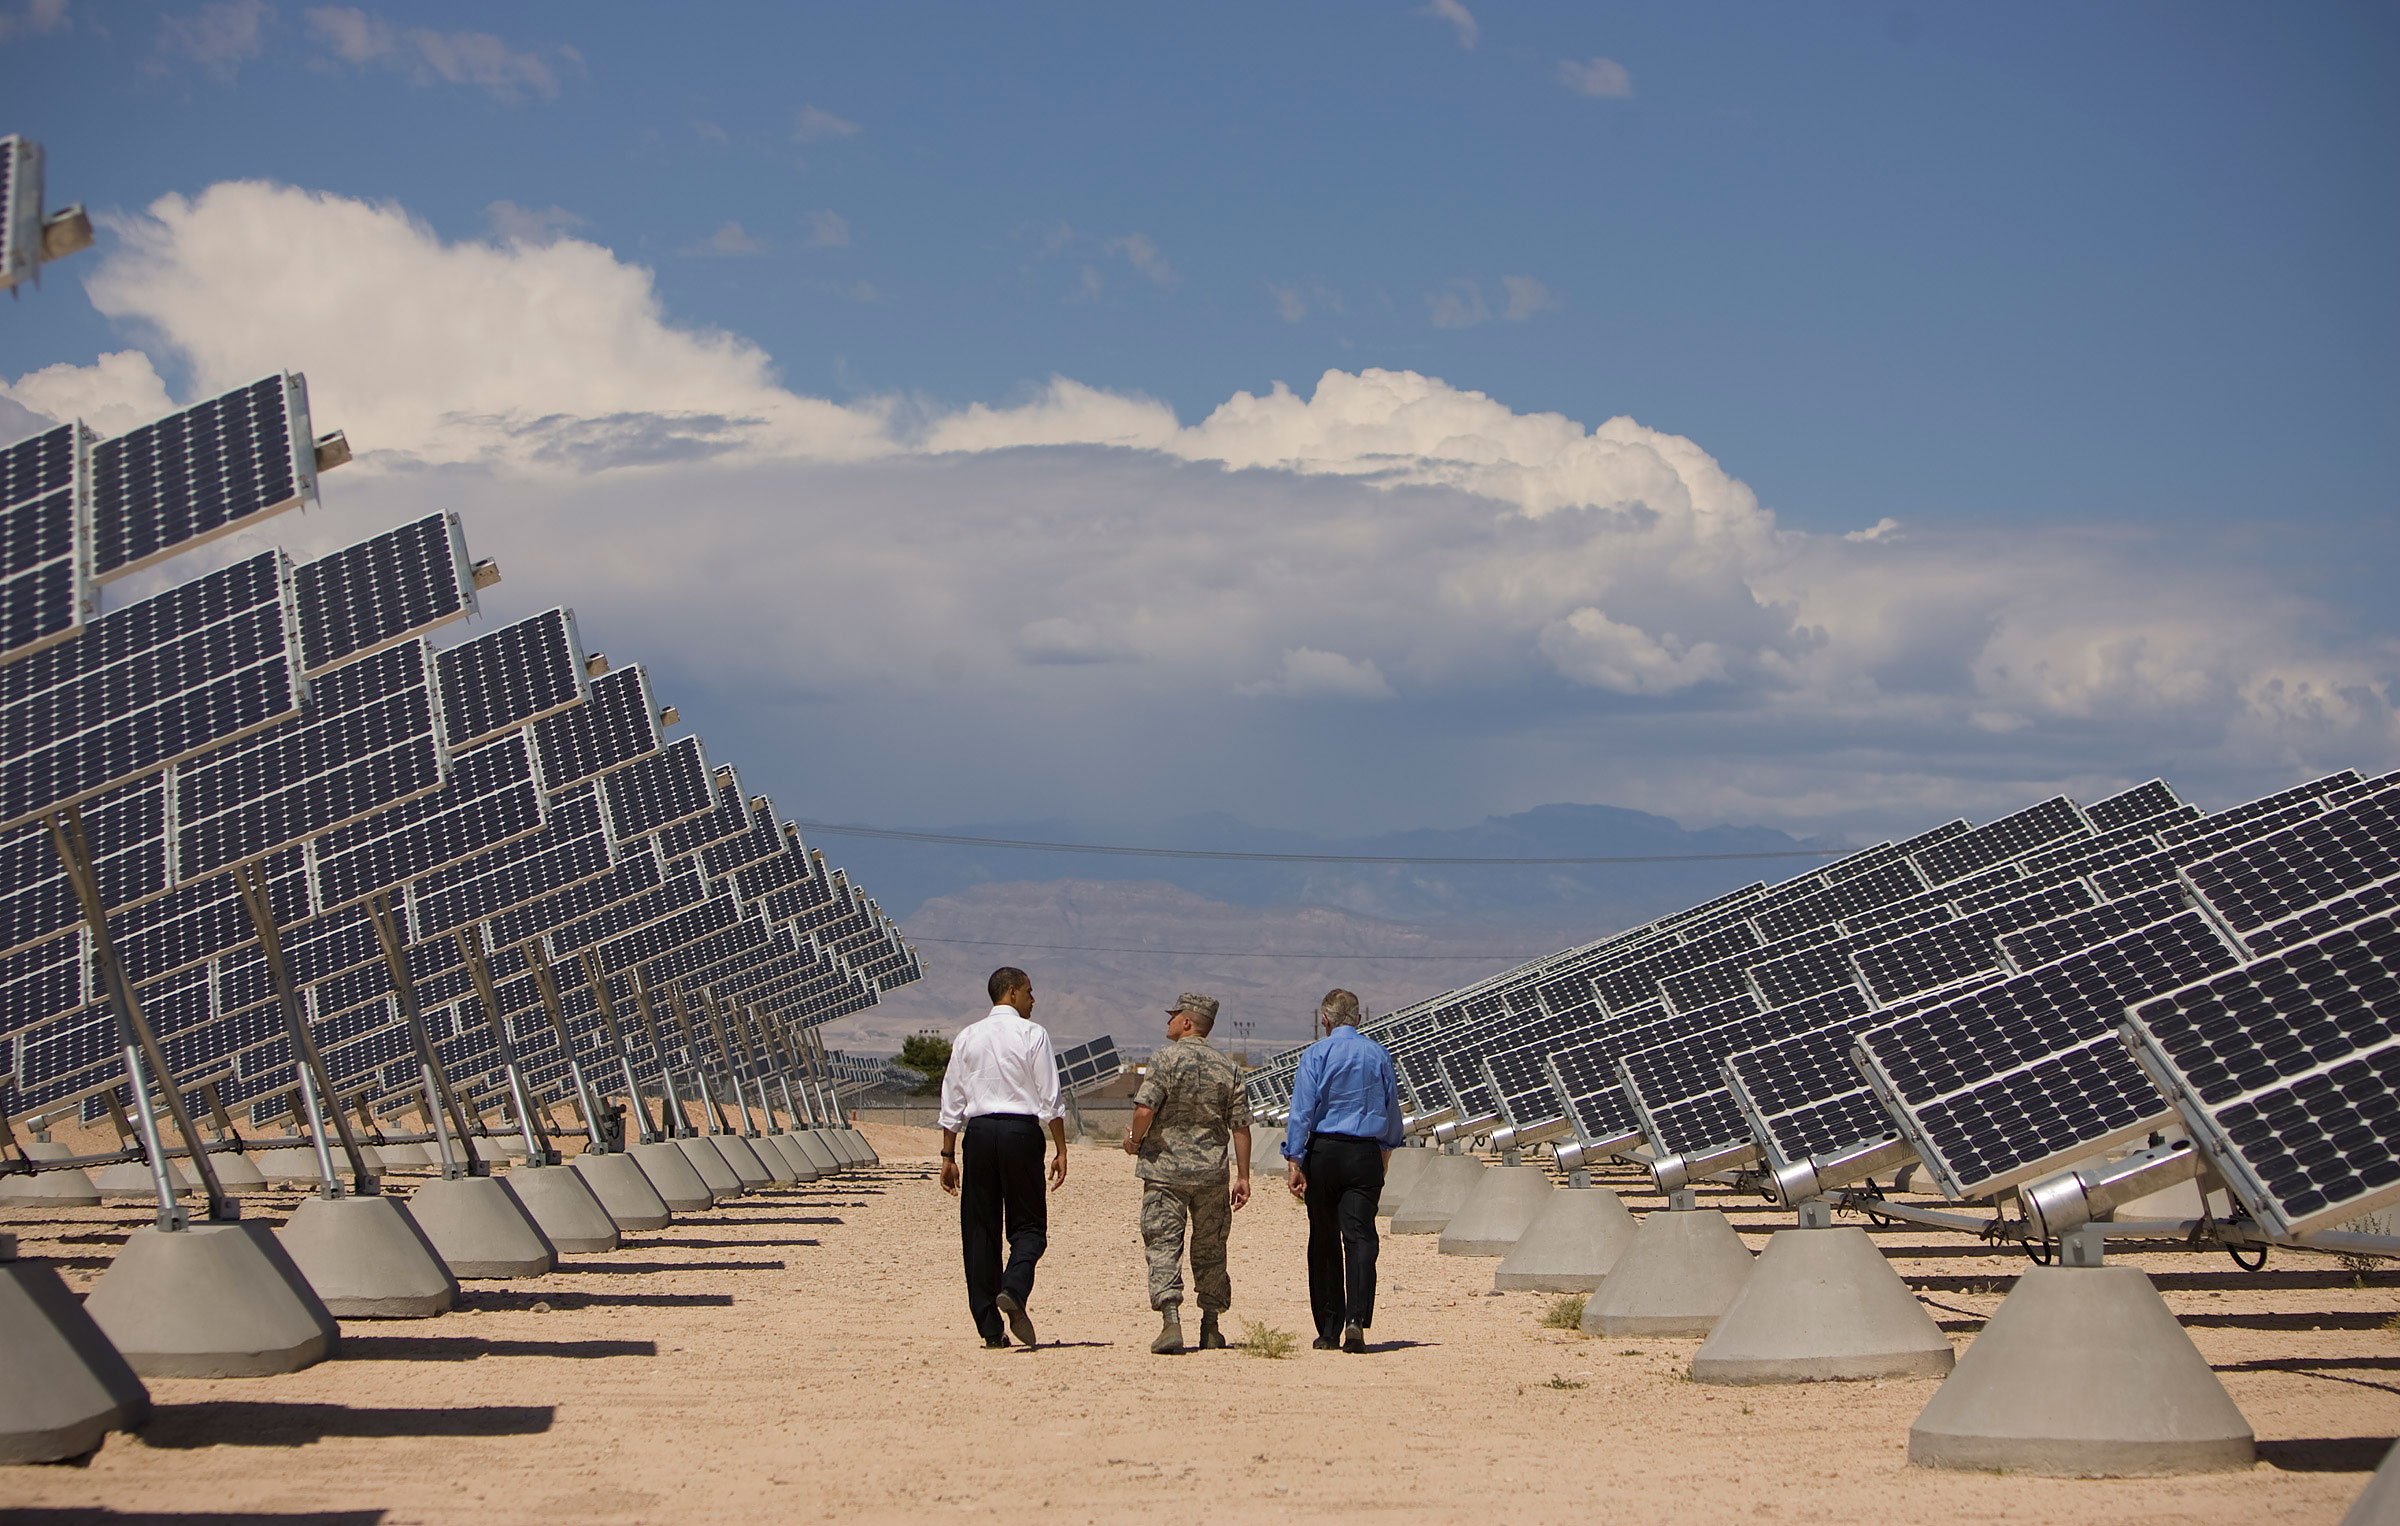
(142, 1056)
(763, 1061)
(546, 981)
(597, 978)
(437, 1080)
(314, 1092)
(487, 995)
(679, 1126)
(716, 1010)
(691, 1032)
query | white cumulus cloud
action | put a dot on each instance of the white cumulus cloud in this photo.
(423, 56)
(1548, 596)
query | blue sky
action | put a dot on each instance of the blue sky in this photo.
(2093, 302)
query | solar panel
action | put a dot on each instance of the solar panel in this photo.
(176, 674)
(491, 798)
(1088, 1063)
(617, 725)
(1860, 893)
(367, 743)
(1995, 842)
(1634, 985)
(571, 847)
(126, 830)
(388, 588)
(44, 593)
(2306, 864)
(2140, 803)
(1999, 1085)
(505, 678)
(2375, 899)
(2289, 1069)
(655, 791)
(198, 473)
(2301, 796)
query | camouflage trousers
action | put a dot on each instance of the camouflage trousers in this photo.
(1165, 1206)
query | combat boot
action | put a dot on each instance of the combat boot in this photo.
(1170, 1334)
(1211, 1338)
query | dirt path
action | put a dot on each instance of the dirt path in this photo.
(807, 1356)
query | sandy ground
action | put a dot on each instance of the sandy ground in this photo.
(806, 1355)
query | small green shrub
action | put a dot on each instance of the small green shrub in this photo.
(1565, 1312)
(1263, 1340)
(1556, 1381)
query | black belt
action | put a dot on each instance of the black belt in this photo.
(1006, 1118)
(1316, 1135)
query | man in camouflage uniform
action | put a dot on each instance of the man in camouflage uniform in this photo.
(1189, 1108)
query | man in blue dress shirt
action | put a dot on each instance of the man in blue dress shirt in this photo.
(1344, 1125)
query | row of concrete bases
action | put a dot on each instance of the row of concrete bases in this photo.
(224, 1299)
(2083, 1371)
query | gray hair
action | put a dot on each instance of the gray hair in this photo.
(1341, 1006)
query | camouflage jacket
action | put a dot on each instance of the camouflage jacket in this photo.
(1196, 1101)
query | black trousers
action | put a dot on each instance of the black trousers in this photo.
(1000, 1184)
(1345, 1177)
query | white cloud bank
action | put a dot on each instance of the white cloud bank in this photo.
(1606, 603)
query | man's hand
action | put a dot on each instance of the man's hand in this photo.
(1297, 1180)
(1058, 1170)
(950, 1177)
(1240, 1193)
(1133, 1146)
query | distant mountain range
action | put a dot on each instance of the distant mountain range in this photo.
(905, 875)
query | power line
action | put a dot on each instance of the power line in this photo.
(893, 834)
(1208, 953)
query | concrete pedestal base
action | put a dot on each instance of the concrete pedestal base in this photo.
(293, 1164)
(1822, 1305)
(67, 1187)
(820, 1155)
(1266, 1153)
(702, 1152)
(569, 1216)
(803, 1169)
(838, 1146)
(1683, 1270)
(1441, 1190)
(770, 1158)
(408, 1156)
(625, 1194)
(2378, 1504)
(237, 1172)
(747, 1168)
(1400, 1177)
(479, 1229)
(863, 1151)
(2083, 1373)
(367, 1259)
(211, 1301)
(128, 1181)
(1570, 1245)
(63, 1387)
(1498, 1212)
(671, 1176)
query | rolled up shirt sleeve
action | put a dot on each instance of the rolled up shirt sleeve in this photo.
(1045, 1061)
(1392, 1132)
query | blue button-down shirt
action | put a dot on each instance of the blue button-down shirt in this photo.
(1345, 1085)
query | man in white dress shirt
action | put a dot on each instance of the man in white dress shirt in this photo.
(1000, 1090)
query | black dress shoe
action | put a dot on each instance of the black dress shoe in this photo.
(1354, 1340)
(1324, 1343)
(995, 1343)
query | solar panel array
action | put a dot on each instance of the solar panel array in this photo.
(570, 890)
(1088, 1064)
(1964, 996)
